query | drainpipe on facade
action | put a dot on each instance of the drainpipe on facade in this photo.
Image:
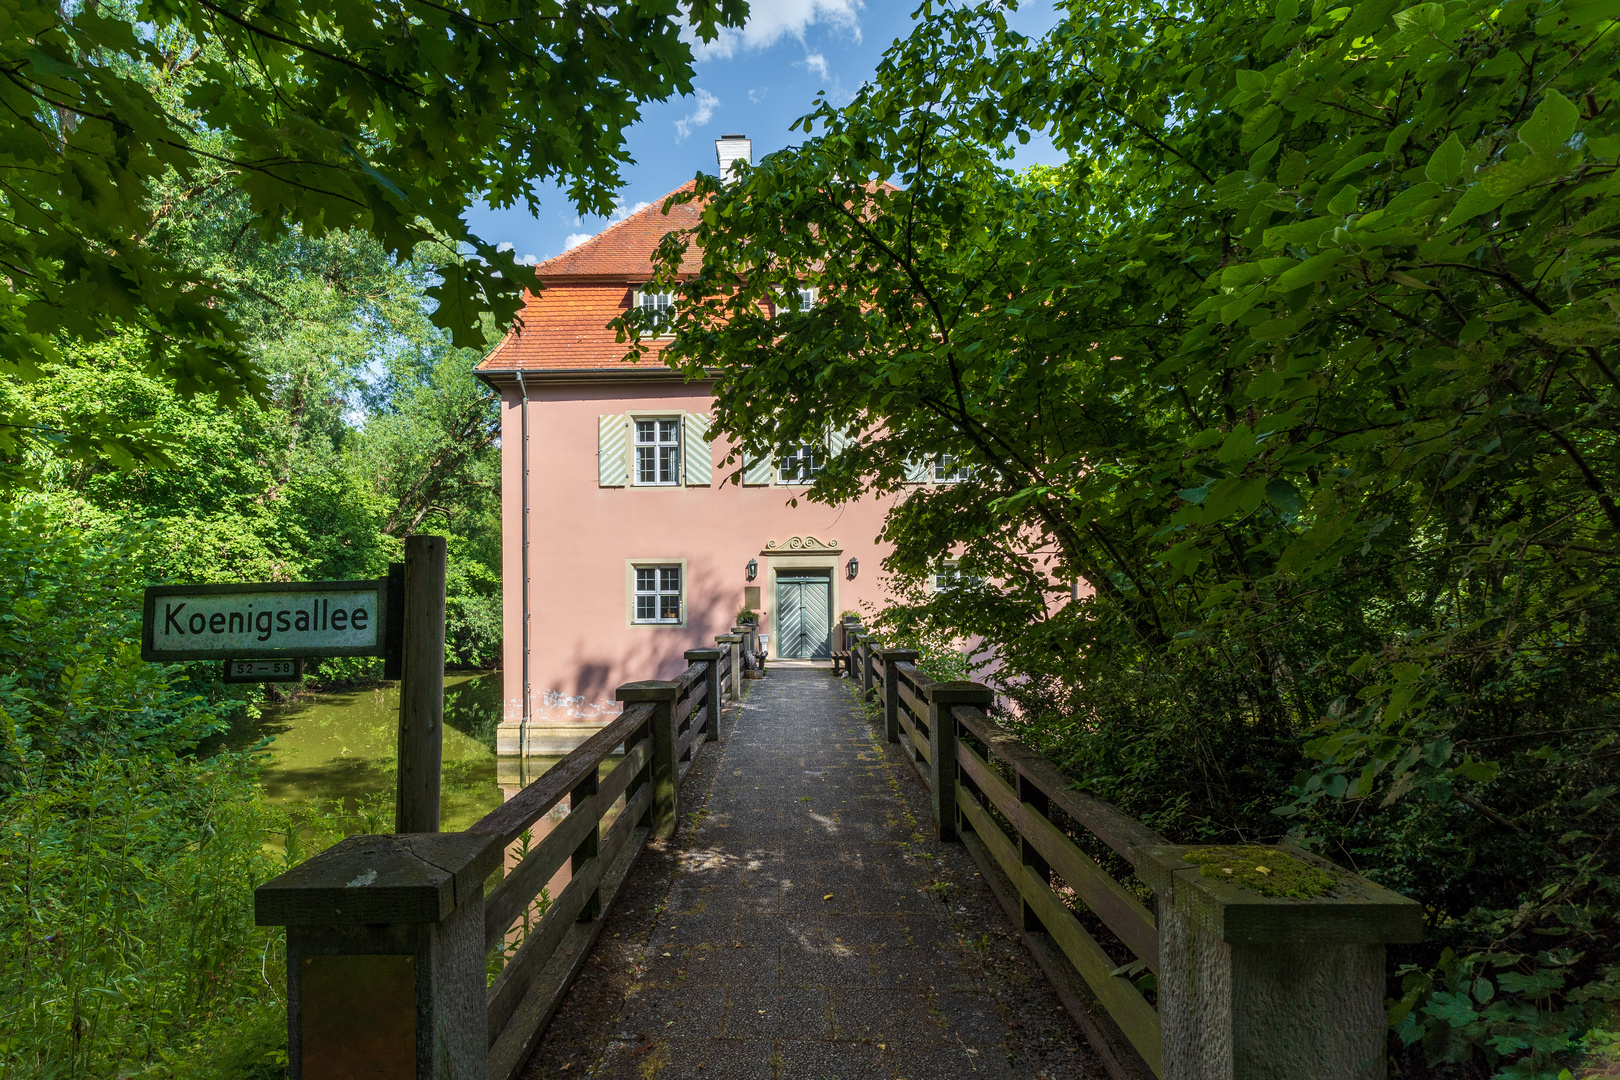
(523, 485)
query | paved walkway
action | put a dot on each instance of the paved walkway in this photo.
(808, 928)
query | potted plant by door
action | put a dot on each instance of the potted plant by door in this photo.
(848, 623)
(753, 654)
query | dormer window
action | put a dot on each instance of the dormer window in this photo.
(789, 301)
(658, 310)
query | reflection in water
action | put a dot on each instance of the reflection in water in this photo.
(343, 745)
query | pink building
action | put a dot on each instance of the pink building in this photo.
(626, 541)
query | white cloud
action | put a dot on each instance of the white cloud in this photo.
(529, 260)
(505, 247)
(816, 64)
(576, 239)
(769, 21)
(699, 116)
(757, 96)
(622, 211)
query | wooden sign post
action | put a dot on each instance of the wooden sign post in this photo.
(421, 687)
(262, 631)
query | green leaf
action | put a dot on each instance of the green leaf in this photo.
(1534, 986)
(1445, 165)
(1284, 496)
(1316, 268)
(1480, 772)
(1421, 19)
(1477, 199)
(1551, 125)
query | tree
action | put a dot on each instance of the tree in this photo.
(1305, 363)
(388, 118)
(370, 426)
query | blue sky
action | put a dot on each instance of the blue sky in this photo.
(753, 82)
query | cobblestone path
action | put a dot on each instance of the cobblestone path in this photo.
(802, 925)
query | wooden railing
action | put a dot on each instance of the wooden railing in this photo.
(609, 817)
(998, 796)
(420, 896)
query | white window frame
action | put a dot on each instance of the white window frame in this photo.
(950, 576)
(796, 300)
(636, 588)
(662, 304)
(656, 446)
(817, 456)
(949, 470)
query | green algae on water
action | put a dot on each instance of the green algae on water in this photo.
(1268, 871)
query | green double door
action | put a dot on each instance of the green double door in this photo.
(803, 618)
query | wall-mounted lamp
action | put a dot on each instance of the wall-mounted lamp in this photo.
(753, 569)
(852, 567)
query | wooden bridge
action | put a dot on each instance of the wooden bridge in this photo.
(797, 920)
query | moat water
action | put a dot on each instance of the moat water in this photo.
(342, 746)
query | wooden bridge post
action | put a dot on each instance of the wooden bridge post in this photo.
(385, 956)
(661, 816)
(892, 658)
(1256, 987)
(942, 765)
(734, 643)
(866, 665)
(711, 681)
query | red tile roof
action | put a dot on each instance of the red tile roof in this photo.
(565, 328)
(624, 249)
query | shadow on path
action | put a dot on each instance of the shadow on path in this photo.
(801, 925)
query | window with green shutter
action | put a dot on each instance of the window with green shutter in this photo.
(757, 471)
(613, 450)
(699, 455)
(658, 451)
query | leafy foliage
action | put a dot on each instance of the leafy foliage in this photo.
(127, 857)
(1304, 363)
(386, 119)
(371, 428)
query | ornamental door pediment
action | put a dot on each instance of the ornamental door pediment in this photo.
(801, 545)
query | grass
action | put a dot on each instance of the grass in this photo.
(127, 941)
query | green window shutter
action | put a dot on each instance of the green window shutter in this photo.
(918, 471)
(613, 450)
(837, 441)
(757, 471)
(697, 453)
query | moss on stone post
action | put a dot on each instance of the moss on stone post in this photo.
(1258, 987)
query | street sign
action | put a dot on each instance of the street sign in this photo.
(263, 671)
(266, 621)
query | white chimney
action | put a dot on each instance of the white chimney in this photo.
(730, 149)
